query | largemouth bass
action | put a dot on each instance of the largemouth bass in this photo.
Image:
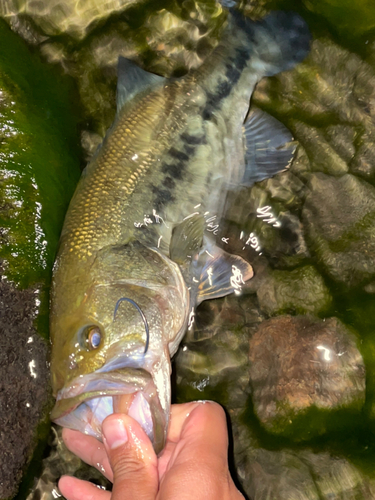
(137, 250)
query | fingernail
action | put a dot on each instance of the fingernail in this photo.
(114, 433)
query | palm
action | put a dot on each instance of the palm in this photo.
(194, 458)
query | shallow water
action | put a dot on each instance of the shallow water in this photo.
(298, 384)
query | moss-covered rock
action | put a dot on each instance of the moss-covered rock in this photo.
(306, 375)
(345, 16)
(280, 472)
(298, 291)
(339, 216)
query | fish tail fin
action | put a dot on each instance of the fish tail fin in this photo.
(290, 34)
(279, 41)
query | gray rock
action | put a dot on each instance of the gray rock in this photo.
(339, 216)
(299, 364)
(303, 474)
(300, 290)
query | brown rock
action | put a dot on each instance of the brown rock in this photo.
(297, 363)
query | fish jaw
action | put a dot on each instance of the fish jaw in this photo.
(87, 400)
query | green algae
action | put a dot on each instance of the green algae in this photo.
(39, 154)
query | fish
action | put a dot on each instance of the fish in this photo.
(138, 249)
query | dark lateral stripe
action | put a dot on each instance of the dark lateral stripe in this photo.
(193, 140)
(234, 68)
(162, 197)
(179, 155)
(174, 170)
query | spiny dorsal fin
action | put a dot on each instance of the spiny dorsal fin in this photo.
(132, 79)
(269, 146)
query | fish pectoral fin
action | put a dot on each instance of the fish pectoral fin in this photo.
(187, 239)
(222, 274)
(132, 80)
(269, 147)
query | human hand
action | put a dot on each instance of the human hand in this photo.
(192, 466)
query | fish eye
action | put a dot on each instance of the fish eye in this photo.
(92, 337)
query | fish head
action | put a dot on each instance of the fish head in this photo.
(112, 340)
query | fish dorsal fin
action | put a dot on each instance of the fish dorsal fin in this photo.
(187, 239)
(222, 274)
(269, 146)
(132, 79)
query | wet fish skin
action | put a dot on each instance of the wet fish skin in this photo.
(175, 145)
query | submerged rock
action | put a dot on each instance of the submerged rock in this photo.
(212, 362)
(164, 39)
(300, 366)
(299, 474)
(61, 461)
(327, 102)
(299, 291)
(57, 17)
(339, 215)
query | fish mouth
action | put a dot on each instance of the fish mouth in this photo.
(87, 400)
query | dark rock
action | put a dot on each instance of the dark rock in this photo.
(24, 383)
(299, 474)
(302, 363)
(212, 362)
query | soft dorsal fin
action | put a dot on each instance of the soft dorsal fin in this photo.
(132, 79)
(269, 147)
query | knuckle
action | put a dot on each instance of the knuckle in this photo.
(128, 464)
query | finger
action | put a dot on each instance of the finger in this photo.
(88, 449)
(76, 489)
(190, 421)
(198, 466)
(205, 431)
(132, 458)
(178, 416)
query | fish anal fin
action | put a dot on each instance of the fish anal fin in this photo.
(132, 80)
(222, 274)
(269, 147)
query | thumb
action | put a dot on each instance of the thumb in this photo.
(132, 458)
